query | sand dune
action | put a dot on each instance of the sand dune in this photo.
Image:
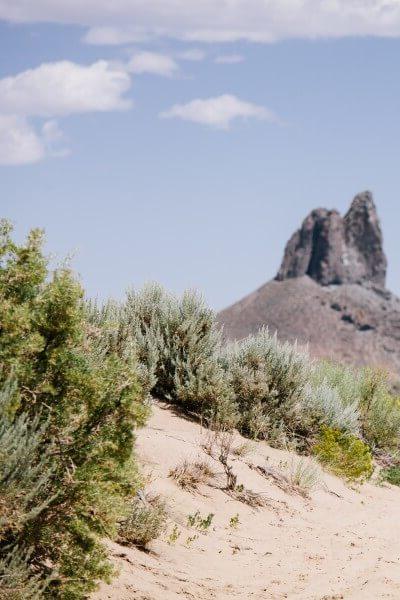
(341, 542)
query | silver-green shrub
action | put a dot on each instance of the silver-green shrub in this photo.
(177, 343)
(323, 404)
(268, 379)
(24, 477)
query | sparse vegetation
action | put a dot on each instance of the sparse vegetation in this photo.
(303, 474)
(190, 475)
(76, 380)
(391, 475)
(146, 521)
(234, 521)
(198, 522)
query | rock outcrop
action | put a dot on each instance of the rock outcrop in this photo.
(334, 250)
(330, 292)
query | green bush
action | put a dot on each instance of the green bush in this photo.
(268, 379)
(391, 475)
(146, 521)
(69, 408)
(380, 412)
(344, 454)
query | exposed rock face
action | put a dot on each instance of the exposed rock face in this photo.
(335, 250)
(329, 292)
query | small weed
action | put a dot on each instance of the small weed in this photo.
(191, 539)
(198, 522)
(234, 521)
(174, 535)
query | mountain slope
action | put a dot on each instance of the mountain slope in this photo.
(329, 292)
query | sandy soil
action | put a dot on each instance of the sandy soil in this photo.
(339, 543)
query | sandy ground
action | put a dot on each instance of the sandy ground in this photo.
(339, 543)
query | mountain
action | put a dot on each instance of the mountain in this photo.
(330, 291)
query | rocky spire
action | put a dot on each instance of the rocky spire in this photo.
(333, 250)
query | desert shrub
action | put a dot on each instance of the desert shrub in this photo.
(177, 343)
(391, 475)
(346, 381)
(323, 405)
(17, 581)
(67, 424)
(268, 379)
(344, 454)
(146, 521)
(380, 412)
(189, 475)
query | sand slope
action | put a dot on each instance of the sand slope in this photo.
(339, 543)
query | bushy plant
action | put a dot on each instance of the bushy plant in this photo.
(17, 581)
(344, 454)
(323, 405)
(145, 521)
(268, 380)
(380, 412)
(67, 424)
(391, 475)
(177, 343)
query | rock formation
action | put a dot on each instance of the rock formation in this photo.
(329, 292)
(335, 250)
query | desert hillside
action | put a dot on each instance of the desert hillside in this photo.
(330, 292)
(338, 541)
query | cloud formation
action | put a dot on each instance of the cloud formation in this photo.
(218, 112)
(125, 21)
(152, 63)
(229, 59)
(54, 90)
(64, 88)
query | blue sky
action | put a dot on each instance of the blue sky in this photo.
(174, 155)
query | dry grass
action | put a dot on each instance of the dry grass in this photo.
(190, 475)
(299, 476)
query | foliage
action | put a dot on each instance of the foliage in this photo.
(344, 454)
(177, 343)
(17, 581)
(323, 405)
(145, 521)
(268, 380)
(380, 412)
(391, 475)
(198, 522)
(69, 408)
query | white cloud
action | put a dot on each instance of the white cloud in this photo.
(113, 36)
(218, 112)
(19, 143)
(193, 54)
(229, 59)
(122, 21)
(51, 90)
(152, 63)
(63, 88)
(53, 139)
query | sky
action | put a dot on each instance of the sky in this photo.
(183, 141)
